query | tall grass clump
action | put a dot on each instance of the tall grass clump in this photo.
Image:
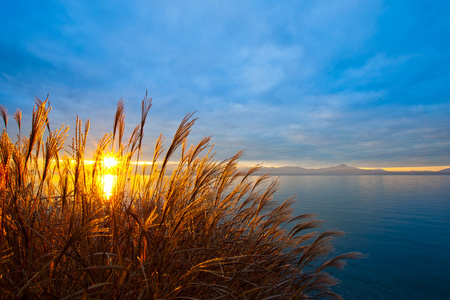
(205, 230)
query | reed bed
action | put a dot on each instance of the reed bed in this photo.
(206, 230)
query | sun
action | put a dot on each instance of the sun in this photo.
(110, 161)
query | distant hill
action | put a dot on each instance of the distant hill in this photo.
(342, 169)
(346, 170)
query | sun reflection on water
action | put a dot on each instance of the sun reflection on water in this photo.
(108, 182)
(110, 177)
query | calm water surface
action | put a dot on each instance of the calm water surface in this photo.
(402, 224)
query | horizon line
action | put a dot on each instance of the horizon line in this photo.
(247, 164)
(392, 169)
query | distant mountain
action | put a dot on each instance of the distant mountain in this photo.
(342, 169)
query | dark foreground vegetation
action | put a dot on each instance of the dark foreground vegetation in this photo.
(205, 231)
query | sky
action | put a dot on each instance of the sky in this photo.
(306, 83)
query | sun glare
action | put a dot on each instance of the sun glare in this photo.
(110, 161)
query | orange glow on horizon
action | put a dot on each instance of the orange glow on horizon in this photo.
(111, 161)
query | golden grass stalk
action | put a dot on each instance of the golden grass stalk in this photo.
(204, 231)
(4, 114)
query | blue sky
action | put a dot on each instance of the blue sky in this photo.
(308, 83)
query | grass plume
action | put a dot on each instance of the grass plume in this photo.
(204, 231)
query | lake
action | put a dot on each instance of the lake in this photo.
(401, 222)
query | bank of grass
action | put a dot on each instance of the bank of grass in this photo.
(204, 231)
